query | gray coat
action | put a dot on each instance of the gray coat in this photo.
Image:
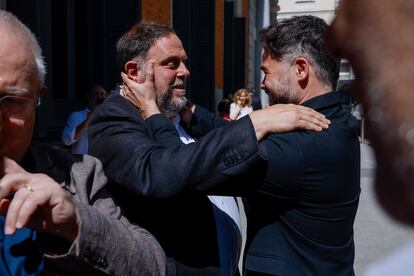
(107, 242)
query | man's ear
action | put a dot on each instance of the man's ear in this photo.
(132, 70)
(42, 90)
(301, 67)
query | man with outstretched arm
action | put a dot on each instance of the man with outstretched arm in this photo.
(167, 181)
(302, 209)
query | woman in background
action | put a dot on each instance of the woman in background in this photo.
(242, 104)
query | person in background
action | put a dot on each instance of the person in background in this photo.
(56, 217)
(241, 105)
(75, 132)
(223, 109)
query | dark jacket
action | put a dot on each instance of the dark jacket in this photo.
(301, 215)
(157, 185)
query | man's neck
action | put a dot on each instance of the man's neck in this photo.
(312, 92)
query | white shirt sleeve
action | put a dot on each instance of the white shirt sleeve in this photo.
(234, 111)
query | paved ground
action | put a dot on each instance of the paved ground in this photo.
(375, 233)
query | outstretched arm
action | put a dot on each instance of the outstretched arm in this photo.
(275, 119)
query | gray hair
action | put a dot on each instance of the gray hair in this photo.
(10, 21)
(302, 36)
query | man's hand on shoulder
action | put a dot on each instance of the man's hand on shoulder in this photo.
(286, 117)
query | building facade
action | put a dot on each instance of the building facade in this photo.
(78, 39)
(324, 9)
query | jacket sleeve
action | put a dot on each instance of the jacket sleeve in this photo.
(162, 130)
(107, 241)
(120, 138)
(68, 133)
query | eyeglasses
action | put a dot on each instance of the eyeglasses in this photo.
(17, 106)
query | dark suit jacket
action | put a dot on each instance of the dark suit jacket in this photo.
(300, 219)
(156, 184)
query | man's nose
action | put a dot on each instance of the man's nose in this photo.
(262, 85)
(183, 71)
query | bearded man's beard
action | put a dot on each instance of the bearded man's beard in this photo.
(279, 99)
(166, 104)
(283, 94)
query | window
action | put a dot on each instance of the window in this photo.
(304, 1)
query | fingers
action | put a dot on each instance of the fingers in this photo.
(149, 71)
(39, 203)
(127, 82)
(10, 183)
(310, 119)
(13, 183)
(307, 125)
(29, 191)
(13, 220)
(31, 203)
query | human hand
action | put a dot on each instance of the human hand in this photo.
(286, 117)
(38, 202)
(141, 93)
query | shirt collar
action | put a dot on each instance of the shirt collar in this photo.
(322, 101)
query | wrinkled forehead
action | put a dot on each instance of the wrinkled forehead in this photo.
(17, 65)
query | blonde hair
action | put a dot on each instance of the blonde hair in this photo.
(236, 96)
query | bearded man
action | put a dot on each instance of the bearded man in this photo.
(302, 203)
(167, 180)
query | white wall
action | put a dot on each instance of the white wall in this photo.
(322, 8)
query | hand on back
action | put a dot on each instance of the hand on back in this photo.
(287, 117)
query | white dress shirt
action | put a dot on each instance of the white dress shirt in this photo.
(225, 208)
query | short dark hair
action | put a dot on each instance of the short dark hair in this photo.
(302, 36)
(136, 42)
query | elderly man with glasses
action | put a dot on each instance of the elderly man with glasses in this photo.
(55, 214)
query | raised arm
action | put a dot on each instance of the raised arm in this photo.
(122, 140)
(275, 119)
(125, 143)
